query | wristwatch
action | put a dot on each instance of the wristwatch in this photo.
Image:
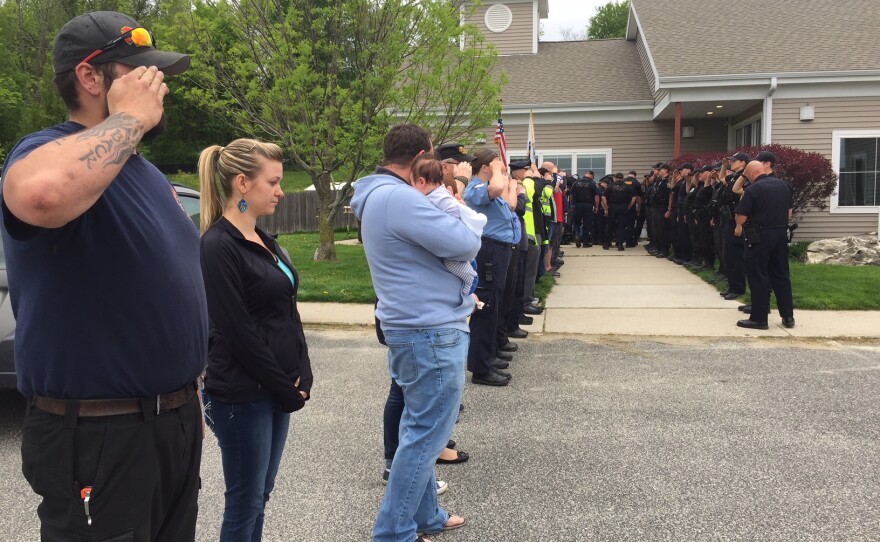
(462, 179)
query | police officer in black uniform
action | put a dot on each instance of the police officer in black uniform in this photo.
(762, 219)
(734, 249)
(585, 199)
(633, 226)
(660, 206)
(617, 202)
(683, 247)
(703, 236)
(600, 224)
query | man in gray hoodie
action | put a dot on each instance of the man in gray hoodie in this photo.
(423, 314)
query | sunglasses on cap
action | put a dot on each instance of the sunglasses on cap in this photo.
(139, 37)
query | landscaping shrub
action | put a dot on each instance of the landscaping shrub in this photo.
(798, 251)
(810, 173)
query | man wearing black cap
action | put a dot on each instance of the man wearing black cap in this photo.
(617, 201)
(704, 243)
(681, 234)
(762, 219)
(456, 163)
(584, 196)
(635, 220)
(661, 211)
(768, 160)
(512, 307)
(734, 249)
(98, 251)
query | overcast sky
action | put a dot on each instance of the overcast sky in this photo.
(573, 14)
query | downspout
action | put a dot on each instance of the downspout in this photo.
(767, 136)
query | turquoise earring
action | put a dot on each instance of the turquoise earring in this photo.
(242, 205)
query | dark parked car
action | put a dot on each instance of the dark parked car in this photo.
(190, 200)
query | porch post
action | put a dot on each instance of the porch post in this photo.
(677, 151)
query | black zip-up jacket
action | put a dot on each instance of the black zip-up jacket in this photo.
(256, 345)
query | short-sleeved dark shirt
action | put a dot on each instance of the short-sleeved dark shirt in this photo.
(619, 193)
(112, 304)
(584, 191)
(766, 202)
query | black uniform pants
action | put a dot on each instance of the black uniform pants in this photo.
(639, 224)
(718, 241)
(630, 235)
(600, 229)
(143, 469)
(493, 260)
(661, 236)
(617, 217)
(735, 262)
(582, 221)
(683, 247)
(767, 269)
(508, 303)
(707, 241)
(648, 217)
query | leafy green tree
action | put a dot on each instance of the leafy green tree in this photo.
(609, 21)
(326, 78)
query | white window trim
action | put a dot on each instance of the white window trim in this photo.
(731, 139)
(542, 153)
(836, 136)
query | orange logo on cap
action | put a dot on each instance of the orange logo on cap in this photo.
(461, 149)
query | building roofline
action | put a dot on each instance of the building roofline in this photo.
(632, 33)
(584, 106)
(758, 78)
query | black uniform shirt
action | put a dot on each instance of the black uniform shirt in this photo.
(766, 202)
(661, 194)
(584, 191)
(619, 193)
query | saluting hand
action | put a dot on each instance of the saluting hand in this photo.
(140, 93)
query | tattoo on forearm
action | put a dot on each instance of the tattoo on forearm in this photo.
(112, 141)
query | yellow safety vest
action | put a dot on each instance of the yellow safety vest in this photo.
(547, 204)
(529, 216)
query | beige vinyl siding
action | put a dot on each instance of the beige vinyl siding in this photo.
(856, 113)
(634, 145)
(518, 39)
(646, 64)
(709, 135)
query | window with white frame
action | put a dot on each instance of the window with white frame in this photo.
(577, 161)
(857, 168)
(748, 132)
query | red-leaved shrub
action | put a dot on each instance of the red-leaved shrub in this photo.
(810, 173)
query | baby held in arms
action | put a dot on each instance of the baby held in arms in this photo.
(427, 178)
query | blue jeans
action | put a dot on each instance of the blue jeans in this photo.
(428, 365)
(251, 438)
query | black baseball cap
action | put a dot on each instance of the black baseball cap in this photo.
(766, 156)
(522, 164)
(659, 165)
(454, 151)
(590, 171)
(88, 33)
(618, 175)
(633, 172)
(706, 168)
(665, 166)
(686, 165)
(740, 156)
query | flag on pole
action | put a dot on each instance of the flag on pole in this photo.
(501, 141)
(533, 151)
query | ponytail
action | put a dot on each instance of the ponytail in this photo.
(211, 203)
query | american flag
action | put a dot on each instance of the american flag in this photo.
(501, 141)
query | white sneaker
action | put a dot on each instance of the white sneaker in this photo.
(442, 487)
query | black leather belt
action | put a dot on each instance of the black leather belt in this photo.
(89, 408)
(497, 243)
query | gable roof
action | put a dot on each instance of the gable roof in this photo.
(583, 72)
(778, 36)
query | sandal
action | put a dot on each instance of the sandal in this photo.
(448, 527)
(460, 457)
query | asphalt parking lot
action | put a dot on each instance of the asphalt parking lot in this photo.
(612, 440)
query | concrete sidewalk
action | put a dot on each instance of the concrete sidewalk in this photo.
(606, 292)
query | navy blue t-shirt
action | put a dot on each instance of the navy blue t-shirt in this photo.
(111, 305)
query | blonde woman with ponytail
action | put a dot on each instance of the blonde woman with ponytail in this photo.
(258, 362)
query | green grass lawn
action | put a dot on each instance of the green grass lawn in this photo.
(293, 181)
(827, 287)
(347, 280)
